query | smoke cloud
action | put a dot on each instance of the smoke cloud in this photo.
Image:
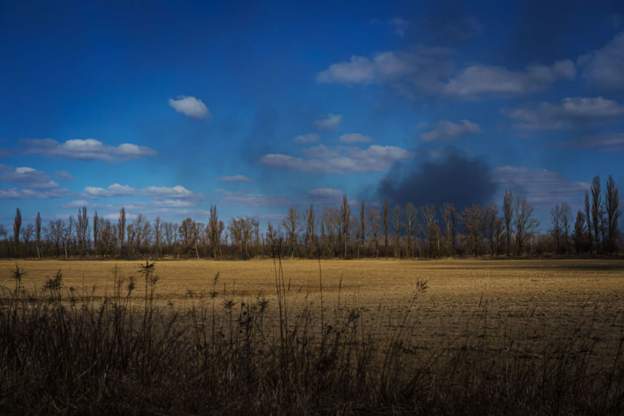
(450, 177)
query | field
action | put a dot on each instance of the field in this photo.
(524, 301)
(505, 336)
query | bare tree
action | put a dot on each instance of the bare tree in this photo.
(385, 226)
(82, 230)
(472, 217)
(525, 224)
(215, 230)
(17, 226)
(38, 234)
(588, 221)
(374, 227)
(432, 230)
(450, 228)
(310, 233)
(508, 213)
(291, 225)
(612, 204)
(345, 222)
(121, 228)
(596, 213)
(397, 226)
(582, 234)
(410, 227)
(362, 228)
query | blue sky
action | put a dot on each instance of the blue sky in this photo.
(168, 108)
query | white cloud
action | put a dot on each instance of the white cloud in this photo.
(354, 138)
(112, 190)
(446, 129)
(342, 159)
(177, 191)
(605, 66)
(568, 113)
(235, 178)
(541, 187)
(190, 107)
(14, 193)
(306, 138)
(432, 71)
(478, 80)
(329, 122)
(86, 149)
(27, 182)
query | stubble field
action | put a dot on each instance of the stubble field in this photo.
(523, 305)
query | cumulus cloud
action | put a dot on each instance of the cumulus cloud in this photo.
(112, 190)
(26, 176)
(235, 178)
(541, 187)
(329, 122)
(86, 149)
(432, 71)
(342, 159)
(306, 138)
(604, 67)
(423, 69)
(477, 80)
(354, 138)
(446, 129)
(27, 182)
(190, 107)
(568, 113)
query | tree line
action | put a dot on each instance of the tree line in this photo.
(334, 232)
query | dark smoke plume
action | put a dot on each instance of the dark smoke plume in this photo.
(451, 178)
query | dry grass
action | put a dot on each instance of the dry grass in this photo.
(486, 337)
(540, 299)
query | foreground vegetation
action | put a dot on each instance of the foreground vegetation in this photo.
(70, 350)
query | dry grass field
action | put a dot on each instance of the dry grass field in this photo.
(543, 337)
(520, 304)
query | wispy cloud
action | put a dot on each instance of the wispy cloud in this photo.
(329, 122)
(342, 159)
(446, 129)
(432, 71)
(306, 138)
(604, 67)
(27, 182)
(235, 178)
(478, 80)
(354, 138)
(541, 187)
(568, 113)
(110, 191)
(86, 149)
(190, 107)
(252, 199)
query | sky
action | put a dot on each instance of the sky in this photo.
(167, 108)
